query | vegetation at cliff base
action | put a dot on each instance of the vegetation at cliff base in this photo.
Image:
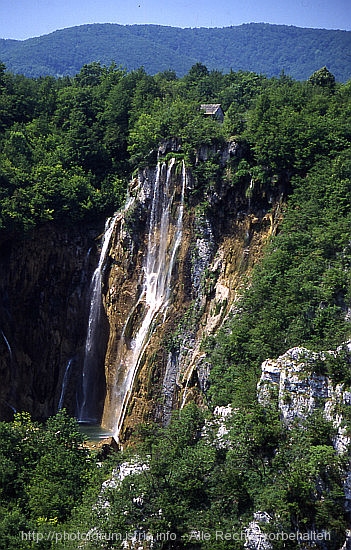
(199, 475)
(44, 471)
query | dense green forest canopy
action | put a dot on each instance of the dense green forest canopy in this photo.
(258, 47)
(68, 147)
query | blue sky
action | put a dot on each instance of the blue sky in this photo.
(22, 19)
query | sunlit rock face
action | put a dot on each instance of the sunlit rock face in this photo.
(296, 381)
(140, 297)
(43, 282)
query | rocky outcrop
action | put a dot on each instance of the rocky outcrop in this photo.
(298, 380)
(223, 153)
(295, 380)
(255, 538)
(44, 279)
(300, 383)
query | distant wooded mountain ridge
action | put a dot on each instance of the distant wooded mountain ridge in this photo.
(258, 47)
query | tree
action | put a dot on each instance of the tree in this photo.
(197, 71)
(90, 74)
(43, 470)
(57, 482)
(323, 78)
(2, 76)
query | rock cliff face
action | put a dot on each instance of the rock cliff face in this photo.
(298, 381)
(178, 259)
(223, 235)
(43, 314)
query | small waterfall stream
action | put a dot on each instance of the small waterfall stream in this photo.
(87, 401)
(164, 238)
(7, 344)
(65, 384)
(12, 395)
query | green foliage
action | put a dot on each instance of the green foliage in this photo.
(307, 485)
(187, 479)
(291, 127)
(167, 119)
(300, 291)
(323, 78)
(44, 471)
(68, 145)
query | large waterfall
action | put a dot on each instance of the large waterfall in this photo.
(163, 240)
(87, 400)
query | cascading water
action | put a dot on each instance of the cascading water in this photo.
(88, 398)
(164, 238)
(12, 396)
(7, 344)
(65, 384)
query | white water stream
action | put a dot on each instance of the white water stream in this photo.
(7, 344)
(64, 384)
(164, 238)
(91, 342)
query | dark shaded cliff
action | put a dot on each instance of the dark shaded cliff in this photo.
(44, 279)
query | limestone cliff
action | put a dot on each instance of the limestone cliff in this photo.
(298, 380)
(223, 234)
(300, 383)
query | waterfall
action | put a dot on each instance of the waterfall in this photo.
(88, 398)
(164, 238)
(12, 393)
(65, 384)
(7, 344)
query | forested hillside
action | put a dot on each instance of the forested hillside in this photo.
(259, 47)
(68, 148)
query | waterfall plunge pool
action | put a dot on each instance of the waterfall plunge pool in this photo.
(94, 432)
